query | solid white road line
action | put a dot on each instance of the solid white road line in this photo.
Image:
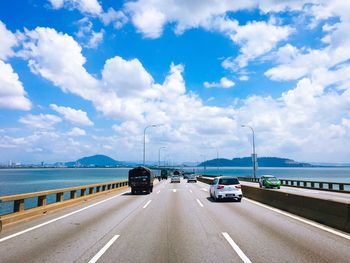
(199, 202)
(204, 189)
(191, 191)
(58, 218)
(306, 221)
(149, 201)
(174, 190)
(104, 249)
(236, 248)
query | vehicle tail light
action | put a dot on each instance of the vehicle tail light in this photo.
(238, 186)
(220, 187)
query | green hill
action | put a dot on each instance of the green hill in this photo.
(95, 160)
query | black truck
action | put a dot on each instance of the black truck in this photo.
(141, 180)
(164, 174)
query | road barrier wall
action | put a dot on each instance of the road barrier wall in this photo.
(76, 194)
(331, 213)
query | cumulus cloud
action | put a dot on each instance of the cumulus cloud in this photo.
(128, 93)
(75, 132)
(41, 121)
(85, 6)
(117, 18)
(224, 83)
(8, 41)
(72, 115)
(12, 94)
(86, 34)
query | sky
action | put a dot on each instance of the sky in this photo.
(84, 77)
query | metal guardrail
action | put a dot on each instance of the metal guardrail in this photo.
(85, 190)
(316, 185)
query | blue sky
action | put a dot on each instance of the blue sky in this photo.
(81, 77)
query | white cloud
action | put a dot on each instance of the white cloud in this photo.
(75, 132)
(74, 116)
(41, 121)
(12, 94)
(8, 41)
(85, 6)
(86, 35)
(301, 122)
(255, 42)
(224, 83)
(117, 18)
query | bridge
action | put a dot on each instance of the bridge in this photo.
(175, 223)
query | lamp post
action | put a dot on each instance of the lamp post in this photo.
(254, 157)
(163, 147)
(144, 141)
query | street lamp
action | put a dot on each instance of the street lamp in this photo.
(254, 157)
(144, 141)
(163, 147)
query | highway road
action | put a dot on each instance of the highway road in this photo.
(176, 223)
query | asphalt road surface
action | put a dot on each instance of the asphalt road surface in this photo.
(176, 223)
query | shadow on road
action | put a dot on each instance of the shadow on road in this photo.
(226, 200)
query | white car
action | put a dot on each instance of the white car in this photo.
(175, 179)
(224, 187)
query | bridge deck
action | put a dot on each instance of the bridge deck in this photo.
(176, 223)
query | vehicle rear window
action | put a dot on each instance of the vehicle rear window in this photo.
(228, 181)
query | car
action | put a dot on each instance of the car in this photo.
(175, 179)
(225, 187)
(269, 181)
(191, 178)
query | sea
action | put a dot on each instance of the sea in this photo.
(17, 181)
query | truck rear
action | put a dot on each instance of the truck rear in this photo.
(141, 180)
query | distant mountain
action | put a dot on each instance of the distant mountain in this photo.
(95, 161)
(262, 162)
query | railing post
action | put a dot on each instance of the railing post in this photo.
(312, 185)
(18, 205)
(341, 187)
(320, 185)
(59, 197)
(91, 190)
(42, 200)
(82, 191)
(73, 194)
(330, 186)
(103, 188)
(98, 189)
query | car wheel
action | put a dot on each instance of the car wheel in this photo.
(260, 185)
(239, 199)
(132, 191)
(215, 198)
(278, 187)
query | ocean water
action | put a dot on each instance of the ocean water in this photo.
(17, 181)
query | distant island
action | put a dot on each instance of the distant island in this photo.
(98, 160)
(247, 162)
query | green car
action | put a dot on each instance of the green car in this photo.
(269, 181)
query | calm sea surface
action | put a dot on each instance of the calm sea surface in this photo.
(16, 181)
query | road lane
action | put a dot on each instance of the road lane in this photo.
(172, 229)
(267, 236)
(67, 239)
(176, 223)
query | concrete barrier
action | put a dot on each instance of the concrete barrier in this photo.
(331, 213)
